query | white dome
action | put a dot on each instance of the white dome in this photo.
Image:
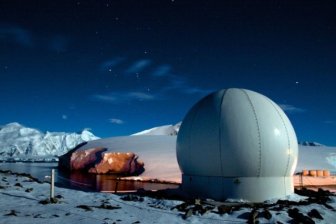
(239, 136)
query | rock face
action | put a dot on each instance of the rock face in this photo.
(98, 161)
(120, 163)
(83, 160)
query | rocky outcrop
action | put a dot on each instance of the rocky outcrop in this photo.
(120, 163)
(98, 161)
(84, 159)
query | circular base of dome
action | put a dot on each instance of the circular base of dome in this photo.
(254, 189)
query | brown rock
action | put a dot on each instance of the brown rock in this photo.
(85, 159)
(118, 163)
(97, 160)
(64, 160)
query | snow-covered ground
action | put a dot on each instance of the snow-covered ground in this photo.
(20, 202)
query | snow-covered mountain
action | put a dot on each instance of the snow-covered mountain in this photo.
(162, 130)
(23, 143)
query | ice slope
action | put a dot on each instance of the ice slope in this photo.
(17, 141)
(159, 154)
(312, 155)
(161, 130)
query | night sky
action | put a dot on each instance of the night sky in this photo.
(118, 67)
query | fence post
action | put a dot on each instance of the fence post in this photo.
(52, 185)
(116, 186)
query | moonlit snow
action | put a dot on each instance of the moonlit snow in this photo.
(20, 203)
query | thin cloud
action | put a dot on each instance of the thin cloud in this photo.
(122, 97)
(139, 66)
(16, 34)
(111, 63)
(162, 70)
(331, 122)
(140, 96)
(25, 38)
(59, 44)
(182, 85)
(116, 121)
(64, 117)
(106, 98)
(196, 90)
(291, 109)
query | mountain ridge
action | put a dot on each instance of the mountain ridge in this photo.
(24, 143)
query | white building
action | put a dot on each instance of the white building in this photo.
(238, 144)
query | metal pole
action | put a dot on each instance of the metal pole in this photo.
(52, 185)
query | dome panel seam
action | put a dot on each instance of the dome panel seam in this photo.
(258, 130)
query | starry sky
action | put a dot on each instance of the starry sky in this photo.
(118, 67)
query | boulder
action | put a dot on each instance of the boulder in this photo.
(98, 161)
(85, 159)
(118, 163)
(64, 161)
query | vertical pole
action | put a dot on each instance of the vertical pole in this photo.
(52, 185)
(116, 186)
